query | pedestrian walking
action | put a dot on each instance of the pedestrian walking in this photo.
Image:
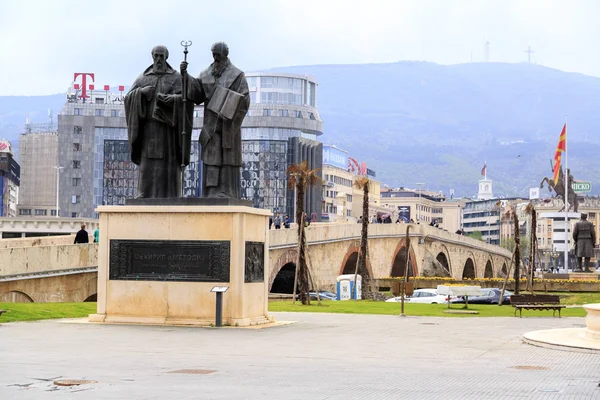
(277, 221)
(82, 236)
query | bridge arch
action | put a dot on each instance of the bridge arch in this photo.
(489, 269)
(504, 271)
(15, 296)
(349, 262)
(287, 258)
(469, 268)
(90, 290)
(398, 263)
(443, 257)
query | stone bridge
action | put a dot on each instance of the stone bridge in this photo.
(54, 269)
(333, 250)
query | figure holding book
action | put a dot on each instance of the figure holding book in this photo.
(223, 89)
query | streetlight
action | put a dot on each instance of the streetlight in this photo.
(420, 185)
(57, 168)
(276, 187)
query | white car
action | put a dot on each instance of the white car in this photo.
(422, 296)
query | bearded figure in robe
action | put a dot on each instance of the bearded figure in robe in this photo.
(223, 89)
(154, 124)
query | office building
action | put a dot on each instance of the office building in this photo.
(341, 198)
(38, 156)
(281, 127)
(423, 206)
(10, 175)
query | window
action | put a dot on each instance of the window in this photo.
(298, 114)
(196, 114)
(99, 113)
(267, 112)
(53, 213)
(41, 212)
(76, 181)
(284, 113)
(252, 97)
(76, 164)
(75, 199)
(73, 215)
(114, 113)
(77, 111)
(77, 130)
(99, 100)
(311, 116)
(349, 198)
(76, 146)
(25, 211)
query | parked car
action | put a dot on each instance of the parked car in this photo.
(422, 296)
(488, 296)
(323, 295)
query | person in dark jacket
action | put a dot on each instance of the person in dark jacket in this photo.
(82, 236)
(584, 235)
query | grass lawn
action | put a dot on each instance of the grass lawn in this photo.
(431, 310)
(35, 311)
(569, 298)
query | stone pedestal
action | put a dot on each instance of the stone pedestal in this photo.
(584, 276)
(157, 264)
(592, 321)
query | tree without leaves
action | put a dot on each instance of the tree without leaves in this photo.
(363, 183)
(299, 178)
(512, 213)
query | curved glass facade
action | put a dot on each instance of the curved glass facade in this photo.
(268, 140)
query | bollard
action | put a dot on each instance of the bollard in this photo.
(219, 290)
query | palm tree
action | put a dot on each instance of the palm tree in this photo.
(363, 183)
(299, 178)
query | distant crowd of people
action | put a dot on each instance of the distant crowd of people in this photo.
(278, 220)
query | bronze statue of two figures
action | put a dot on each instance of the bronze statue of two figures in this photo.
(159, 111)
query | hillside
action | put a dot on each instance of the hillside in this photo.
(423, 122)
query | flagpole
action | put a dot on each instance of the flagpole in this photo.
(566, 203)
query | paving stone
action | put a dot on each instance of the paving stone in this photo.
(322, 356)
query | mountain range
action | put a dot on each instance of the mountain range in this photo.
(438, 124)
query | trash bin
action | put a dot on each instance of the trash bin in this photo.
(345, 287)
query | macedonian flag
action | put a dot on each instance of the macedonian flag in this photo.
(560, 148)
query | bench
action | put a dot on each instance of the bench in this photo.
(536, 302)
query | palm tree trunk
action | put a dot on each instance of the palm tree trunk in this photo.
(517, 275)
(312, 282)
(506, 280)
(301, 264)
(356, 272)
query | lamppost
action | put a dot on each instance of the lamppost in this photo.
(420, 185)
(57, 168)
(276, 187)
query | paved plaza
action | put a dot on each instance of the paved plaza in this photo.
(321, 356)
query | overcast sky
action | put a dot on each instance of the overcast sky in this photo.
(44, 42)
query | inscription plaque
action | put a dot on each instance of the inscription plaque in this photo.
(169, 260)
(254, 270)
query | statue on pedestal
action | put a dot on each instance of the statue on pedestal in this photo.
(223, 89)
(154, 126)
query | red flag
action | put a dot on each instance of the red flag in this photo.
(560, 148)
(484, 169)
(106, 87)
